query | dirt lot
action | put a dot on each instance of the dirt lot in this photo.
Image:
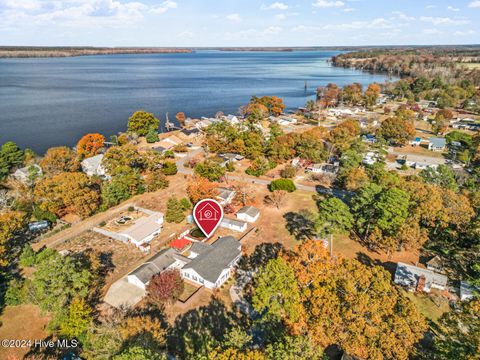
(271, 224)
(21, 322)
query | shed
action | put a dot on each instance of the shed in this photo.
(248, 213)
(235, 225)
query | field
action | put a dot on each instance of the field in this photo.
(21, 322)
(471, 65)
(271, 225)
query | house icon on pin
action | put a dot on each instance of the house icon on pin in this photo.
(208, 212)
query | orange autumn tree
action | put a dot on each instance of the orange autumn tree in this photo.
(89, 145)
(10, 223)
(199, 188)
(68, 193)
(338, 302)
(181, 117)
(59, 159)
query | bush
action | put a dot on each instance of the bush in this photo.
(282, 184)
(169, 154)
(131, 208)
(102, 224)
(169, 168)
(288, 172)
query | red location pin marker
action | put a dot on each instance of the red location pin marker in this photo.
(208, 215)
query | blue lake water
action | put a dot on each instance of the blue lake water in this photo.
(54, 101)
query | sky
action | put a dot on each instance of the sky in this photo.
(196, 23)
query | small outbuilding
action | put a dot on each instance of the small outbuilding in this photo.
(232, 224)
(248, 213)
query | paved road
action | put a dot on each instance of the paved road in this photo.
(253, 180)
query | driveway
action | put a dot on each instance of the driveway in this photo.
(123, 294)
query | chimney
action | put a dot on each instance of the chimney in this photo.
(420, 283)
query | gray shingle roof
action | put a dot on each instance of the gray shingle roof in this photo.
(408, 275)
(438, 142)
(249, 210)
(211, 262)
(232, 222)
(224, 193)
(198, 247)
(155, 265)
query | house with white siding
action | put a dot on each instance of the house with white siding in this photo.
(212, 264)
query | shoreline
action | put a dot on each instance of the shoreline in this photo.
(22, 52)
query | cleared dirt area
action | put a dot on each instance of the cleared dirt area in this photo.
(23, 322)
(121, 257)
(271, 225)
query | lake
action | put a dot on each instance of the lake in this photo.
(55, 101)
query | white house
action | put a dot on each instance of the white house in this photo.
(93, 166)
(323, 168)
(144, 229)
(225, 196)
(437, 144)
(248, 213)
(232, 224)
(232, 119)
(419, 279)
(467, 291)
(24, 173)
(211, 265)
(370, 158)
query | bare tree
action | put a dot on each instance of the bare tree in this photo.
(276, 198)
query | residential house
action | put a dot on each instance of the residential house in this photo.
(435, 264)
(297, 162)
(164, 260)
(467, 291)
(232, 224)
(423, 164)
(93, 166)
(144, 229)
(248, 213)
(232, 119)
(330, 169)
(370, 158)
(231, 157)
(190, 133)
(419, 279)
(211, 265)
(437, 144)
(23, 174)
(225, 196)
